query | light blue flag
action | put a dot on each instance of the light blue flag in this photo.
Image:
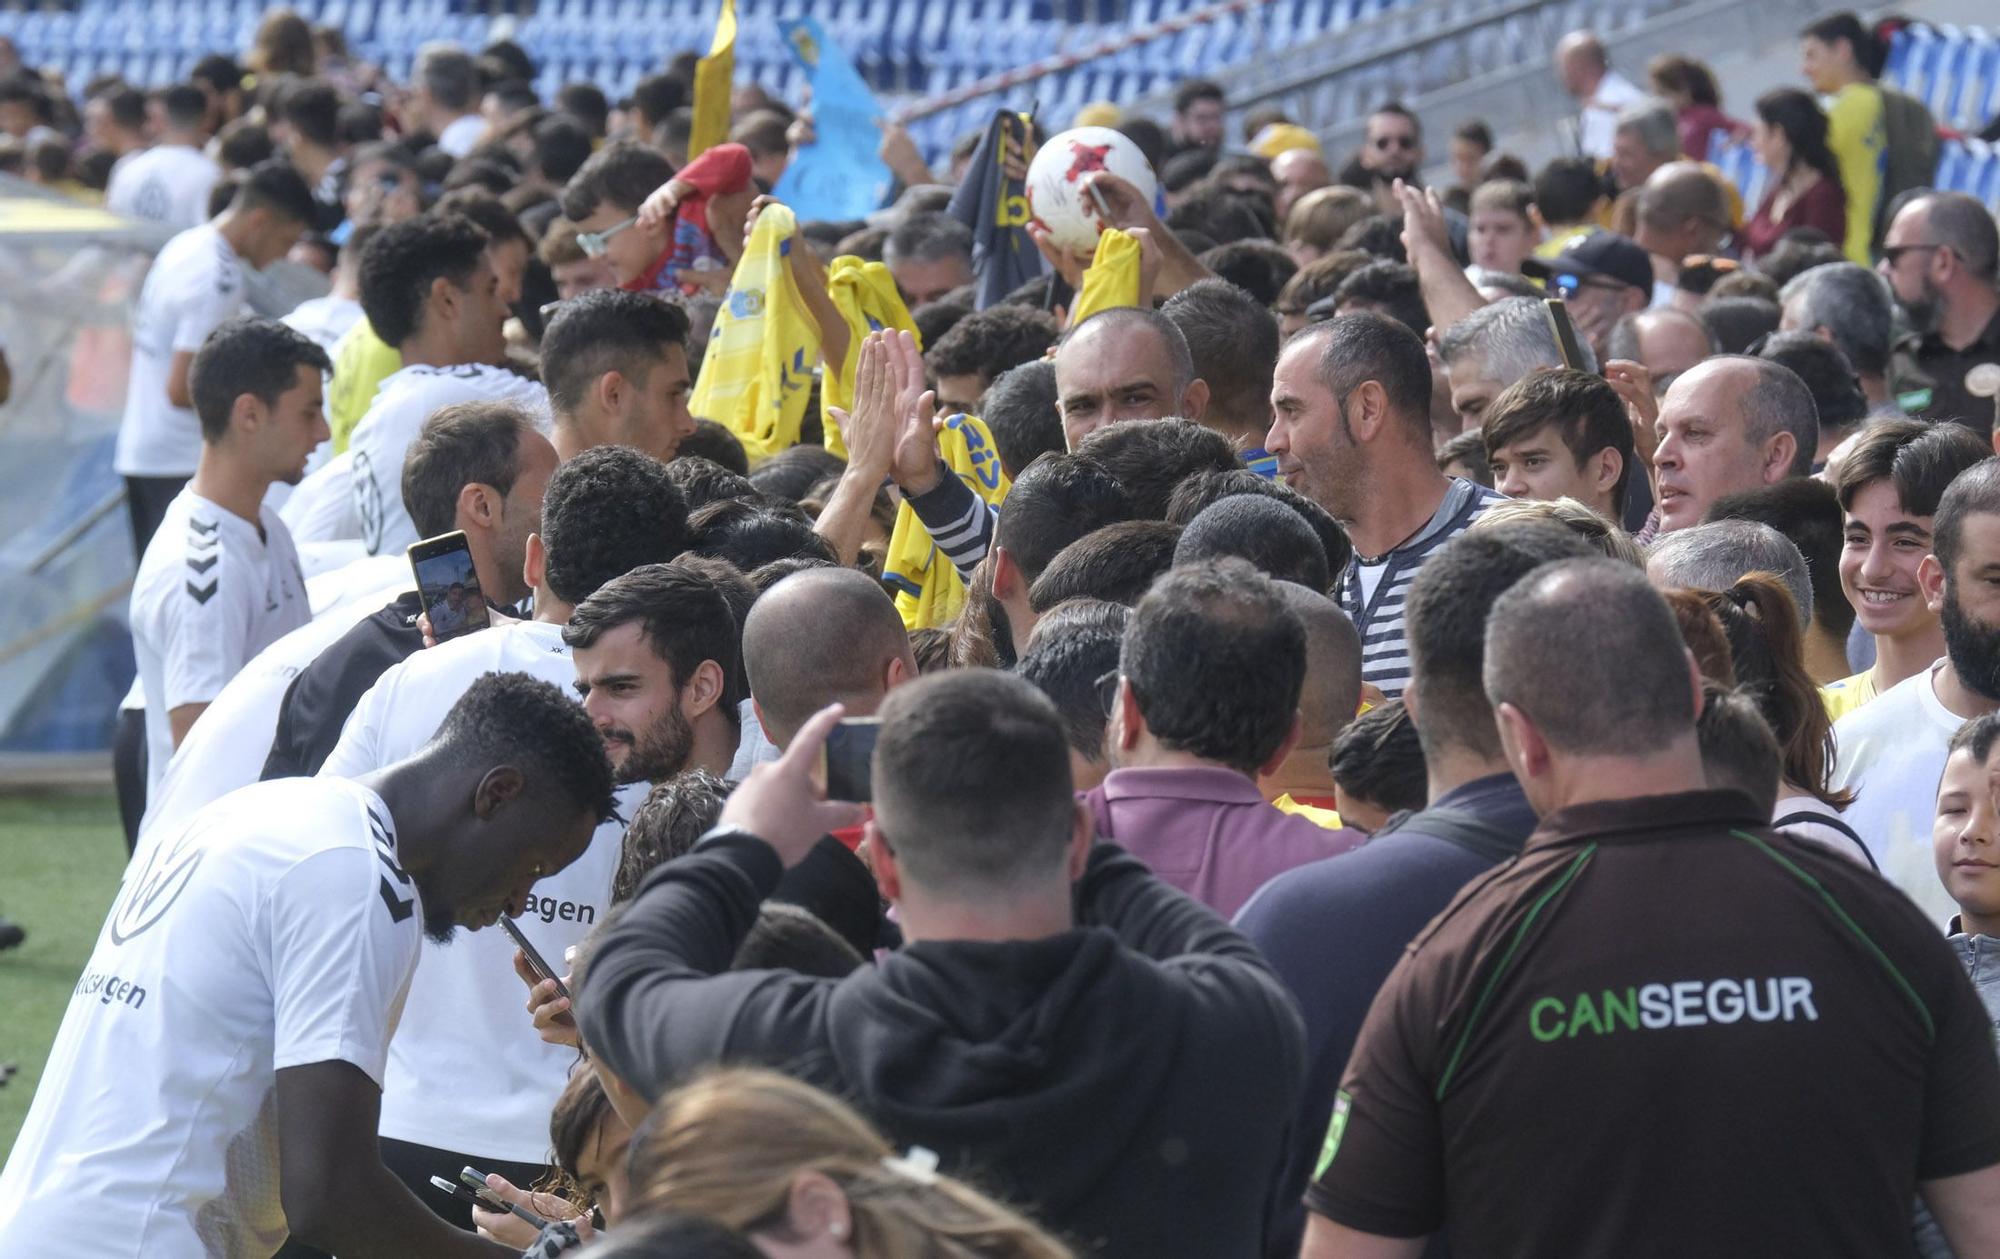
(838, 175)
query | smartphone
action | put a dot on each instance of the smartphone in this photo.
(847, 759)
(1565, 333)
(476, 1192)
(448, 585)
(536, 963)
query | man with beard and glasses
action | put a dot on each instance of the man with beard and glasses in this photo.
(215, 1082)
(1942, 256)
(1892, 752)
(463, 1083)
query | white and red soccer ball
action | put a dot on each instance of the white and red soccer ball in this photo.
(1056, 194)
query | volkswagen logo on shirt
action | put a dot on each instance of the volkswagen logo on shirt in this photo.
(153, 891)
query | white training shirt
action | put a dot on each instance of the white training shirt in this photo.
(168, 183)
(227, 747)
(324, 320)
(467, 1034)
(211, 593)
(1891, 752)
(275, 930)
(385, 432)
(320, 508)
(194, 285)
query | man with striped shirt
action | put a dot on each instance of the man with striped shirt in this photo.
(1351, 429)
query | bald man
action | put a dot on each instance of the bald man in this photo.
(1125, 364)
(1600, 92)
(1303, 781)
(1683, 211)
(823, 636)
(1298, 172)
(1942, 258)
(1667, 341)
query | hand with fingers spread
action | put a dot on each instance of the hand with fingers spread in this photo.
(914, 463)
(783, 803)
(1424, 228)
(550, 1010)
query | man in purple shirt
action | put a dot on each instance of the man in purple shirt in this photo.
(1206, 698)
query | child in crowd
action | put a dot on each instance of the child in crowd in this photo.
(1503, 228)
(1378, 768)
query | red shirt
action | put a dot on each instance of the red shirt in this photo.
(1823, 206)
(723, 169)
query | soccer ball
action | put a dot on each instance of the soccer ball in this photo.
(1055, 190)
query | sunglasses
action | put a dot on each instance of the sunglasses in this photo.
(593, 244)
(1106, 688)
(1395, 142)
(1567, 286)
(1893, 254)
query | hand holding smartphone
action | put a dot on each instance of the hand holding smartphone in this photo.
(473, 1188)
(847, 760)
(536, 962)
(448, 585)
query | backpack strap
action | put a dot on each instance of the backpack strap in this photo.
(1805, 816)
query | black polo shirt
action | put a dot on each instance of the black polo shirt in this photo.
(1950, 399)
(1664, 1030)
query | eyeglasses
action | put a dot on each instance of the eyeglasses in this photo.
(1395, 142)
(593, 243)
(1893, 254)
(1107, 692)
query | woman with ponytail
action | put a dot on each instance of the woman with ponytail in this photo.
(1767, 652)
(803, 1175)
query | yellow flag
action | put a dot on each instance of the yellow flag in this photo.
(868, 300)
(1111, 279)
(929, 591)
(714, 76)
(757, 374)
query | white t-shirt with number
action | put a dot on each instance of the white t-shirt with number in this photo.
(385, 432)
(194, 286)
(275, 930)
(168, 183)
(211, 593)
(467, 1033)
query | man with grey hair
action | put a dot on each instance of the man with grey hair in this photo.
(1495, 346)
(1850, 306)
(929, 254)
(1647, 138)
(1729, 423)
(444, 91)
(1761, 958)
(1715, 556)
(1942, 257)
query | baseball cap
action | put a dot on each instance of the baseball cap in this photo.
(1597, 253)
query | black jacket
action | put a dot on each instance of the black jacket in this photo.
(322, 697)
(1128, 1082)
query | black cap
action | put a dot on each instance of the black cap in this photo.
(1599, 253)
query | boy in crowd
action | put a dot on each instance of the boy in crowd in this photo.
(1503, 230)
(1561, 434)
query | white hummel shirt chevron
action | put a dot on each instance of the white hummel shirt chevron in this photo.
(213, 590)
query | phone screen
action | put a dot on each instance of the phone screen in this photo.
(448, 585)
(1565, 333)
(850, 751)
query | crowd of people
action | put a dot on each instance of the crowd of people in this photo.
(1346, 769)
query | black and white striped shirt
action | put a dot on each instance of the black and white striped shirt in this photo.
(1378, 614)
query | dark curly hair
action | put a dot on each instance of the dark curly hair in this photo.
(751, 535)
(1204, 489)
(991, 341)
(513, 718)
(676, 813)
(402, 260)
(1150, 457)
(703, 481)
(715, 442)
(608, 511)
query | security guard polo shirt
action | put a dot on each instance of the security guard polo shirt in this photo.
(1664, 1030)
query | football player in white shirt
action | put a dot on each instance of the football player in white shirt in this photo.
(216, 1079)
(430, 289)
(616, 367)
(170, 182)
(663, 701)
(220, 581)
(195, 284)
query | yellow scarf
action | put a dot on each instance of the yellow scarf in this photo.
(866, 295)
(929, 591)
